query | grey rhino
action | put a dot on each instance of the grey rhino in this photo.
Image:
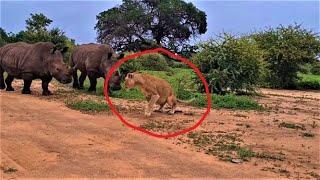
(25, 61)
(94, 61)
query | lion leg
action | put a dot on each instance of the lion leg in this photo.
(150, 105)
(161, 108)
(172, 103)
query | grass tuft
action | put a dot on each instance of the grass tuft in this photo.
(88, 106)
(291, 126)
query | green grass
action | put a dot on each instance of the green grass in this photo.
(308, 81)
(88, 106)
(229, 101)
(182, 83)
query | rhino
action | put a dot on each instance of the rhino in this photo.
(94, 61)
(25, 61)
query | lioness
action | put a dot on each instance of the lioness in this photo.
(156, 90)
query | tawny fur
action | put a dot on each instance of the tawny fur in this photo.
(156, 90)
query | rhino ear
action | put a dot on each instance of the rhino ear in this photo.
(64, 50)
(53, 49)
(110, 55)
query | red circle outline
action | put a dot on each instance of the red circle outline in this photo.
(173, 56)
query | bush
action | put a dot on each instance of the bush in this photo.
(153, 62)
(286, 50)
(229, 64)
(130, 66)
(308, 81)
(315, 68)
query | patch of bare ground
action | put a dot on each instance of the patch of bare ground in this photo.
(280, 141)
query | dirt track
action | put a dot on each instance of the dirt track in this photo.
(41, 138)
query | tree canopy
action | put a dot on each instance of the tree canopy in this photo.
(285, 49)
(37, 22)
(36, 31)
(138, 24)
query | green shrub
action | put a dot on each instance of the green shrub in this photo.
(315, 68)
(308, 81)
(131, 65)
(153, 62)
(229, 64)
(286, 50)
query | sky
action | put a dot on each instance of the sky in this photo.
(78, 18)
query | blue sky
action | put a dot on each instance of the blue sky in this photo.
(78, 18)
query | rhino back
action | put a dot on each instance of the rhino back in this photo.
(89, 56)
(18, 58)
(12, 55)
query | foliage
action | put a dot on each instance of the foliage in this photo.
(6, 37)
(37, 31)
(308, 81)
(286, 49)
(150, 23)
(315, 68)
(229, 64)
(184, 88)
(153, 62)
(37, 22)
(180, 79)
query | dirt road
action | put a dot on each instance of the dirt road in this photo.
(41, 137)
(46, 139)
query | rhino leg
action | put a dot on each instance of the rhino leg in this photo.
(93, 81)
(26, 86)
(27, 80)
(2, 85)
(9, 80)
(82, 78)
(45, 84)
(75, 79)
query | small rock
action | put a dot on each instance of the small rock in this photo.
(237, 161)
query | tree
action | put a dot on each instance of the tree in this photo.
(37, 31)
(229, 64)
(6, 37)
(3, 37)
(286, 49)
(37, 22)
(136, 23)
